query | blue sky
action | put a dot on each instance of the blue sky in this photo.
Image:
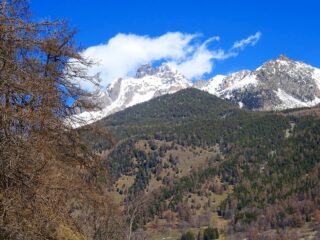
(288, 27)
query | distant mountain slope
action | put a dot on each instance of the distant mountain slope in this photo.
(276, 85)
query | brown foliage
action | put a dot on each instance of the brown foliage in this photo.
(47, 184)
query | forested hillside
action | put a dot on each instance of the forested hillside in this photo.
(200, 161)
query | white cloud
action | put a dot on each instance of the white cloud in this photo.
(251, 40)
(200, 62)
(124, 53)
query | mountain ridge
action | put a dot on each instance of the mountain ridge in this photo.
(278, 84)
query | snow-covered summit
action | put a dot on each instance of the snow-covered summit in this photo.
(148, 83)
(278, 84)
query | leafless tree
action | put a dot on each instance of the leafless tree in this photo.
(44, 165)
(135, 210)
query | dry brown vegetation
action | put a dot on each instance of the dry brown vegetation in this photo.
(197, 210)
(49, 187)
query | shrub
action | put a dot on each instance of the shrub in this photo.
(210, 234)
(188, 236)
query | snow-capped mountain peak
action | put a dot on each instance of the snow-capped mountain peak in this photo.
(148, 83)
(278, 84)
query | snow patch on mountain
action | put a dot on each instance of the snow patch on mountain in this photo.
(240, 80)
(289, 101)
(222, 86)
(214, 84)
(316, 76)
